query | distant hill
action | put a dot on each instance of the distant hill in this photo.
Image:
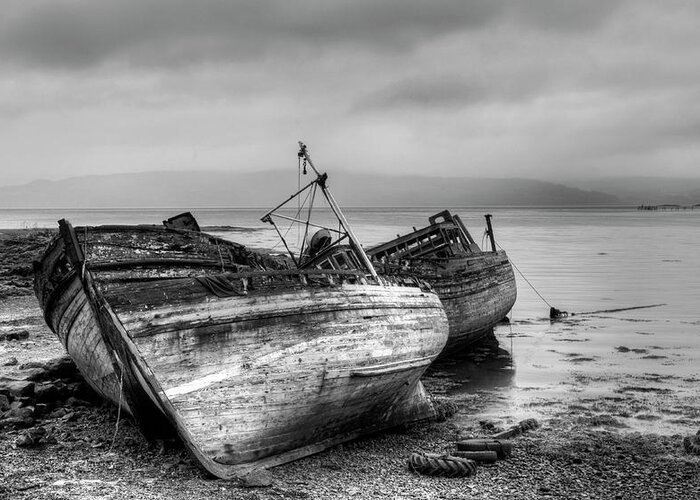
(267, 188)
(646, 190)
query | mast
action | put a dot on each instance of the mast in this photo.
(347, 232)
(321, 180)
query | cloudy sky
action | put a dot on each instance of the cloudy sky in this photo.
(547, 89)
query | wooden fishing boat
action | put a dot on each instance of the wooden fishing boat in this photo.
(252, 363)
(477, 287)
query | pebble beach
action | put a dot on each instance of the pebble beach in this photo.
(608, 429)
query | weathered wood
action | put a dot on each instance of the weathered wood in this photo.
(185, 221)
(489, 232)
(73, 250)
(295, 362)
(282, 368)
(477, 288)
(428, 241)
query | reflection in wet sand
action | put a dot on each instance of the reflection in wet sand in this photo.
(613, 379)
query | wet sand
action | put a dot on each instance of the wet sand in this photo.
(613, 414)
(624, 370)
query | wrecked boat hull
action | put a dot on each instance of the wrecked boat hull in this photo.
(477, 292)
(252, 368)
(477, 287)
(254, 376)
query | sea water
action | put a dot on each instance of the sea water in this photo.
(641, 366)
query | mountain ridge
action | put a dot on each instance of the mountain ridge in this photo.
(202, 189)
(267, 188)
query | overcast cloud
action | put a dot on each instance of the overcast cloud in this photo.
(548, 89)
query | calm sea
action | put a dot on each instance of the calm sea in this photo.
(583, 261)
(579, 259)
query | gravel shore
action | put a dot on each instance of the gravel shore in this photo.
(81, 453)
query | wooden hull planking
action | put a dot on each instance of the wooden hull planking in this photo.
(479, 292)
(72, 318)
(258, 376)
(476, 287)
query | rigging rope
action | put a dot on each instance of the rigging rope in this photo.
(556, 313)
(308, 221)
(526, 280)
(292, 223)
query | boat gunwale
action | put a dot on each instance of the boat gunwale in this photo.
(236, 274)
(153, 228)
(391, 268)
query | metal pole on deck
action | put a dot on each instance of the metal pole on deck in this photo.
(489, 231)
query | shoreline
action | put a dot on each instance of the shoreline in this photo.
(574, 454)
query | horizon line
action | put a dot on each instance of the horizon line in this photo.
(345, 207)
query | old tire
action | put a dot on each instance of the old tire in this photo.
(441, 465)
(692, 444)
(503, 449)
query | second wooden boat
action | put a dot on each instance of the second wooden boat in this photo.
(477, 287)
